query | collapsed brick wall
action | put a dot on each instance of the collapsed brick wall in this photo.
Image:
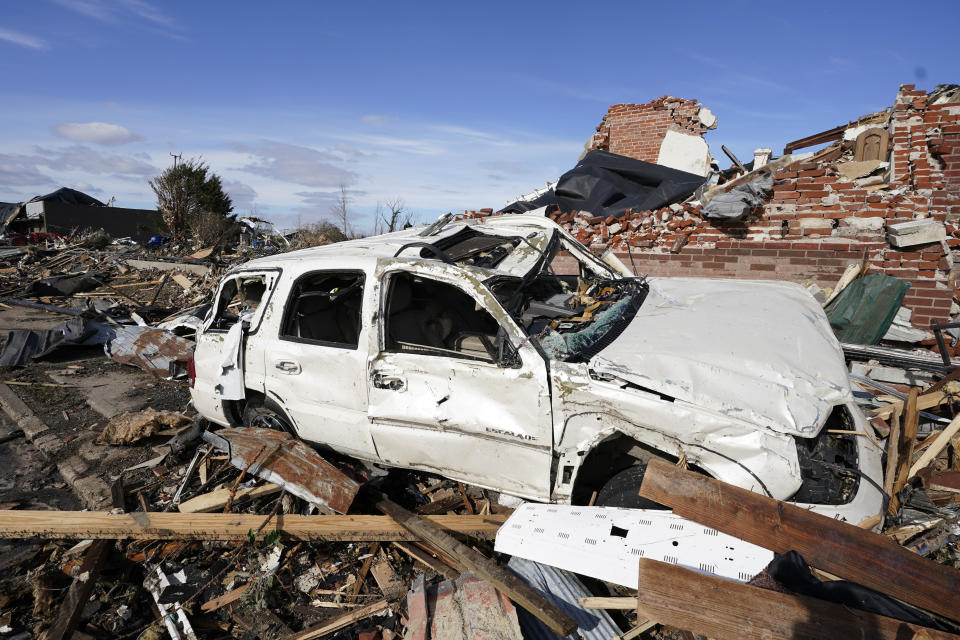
(814, 223)
(637, 130)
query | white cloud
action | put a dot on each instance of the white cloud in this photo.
(113, 11)
(18, 170)
(81, 158)
(97, 132)
(241, 194)
(297, 164)
(375, 120)
(22, 39)
(86, 187)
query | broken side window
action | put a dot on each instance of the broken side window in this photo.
(239, 298)
(435, 318)
(324, 308)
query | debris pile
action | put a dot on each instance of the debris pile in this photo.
(197, 531)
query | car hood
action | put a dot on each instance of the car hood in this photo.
(757, 351)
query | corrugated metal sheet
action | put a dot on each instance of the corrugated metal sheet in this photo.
(156, 351)
(564, 590)
(278, 457)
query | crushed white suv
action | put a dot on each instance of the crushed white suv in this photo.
(502, 353)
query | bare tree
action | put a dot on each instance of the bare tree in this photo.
(341, 210)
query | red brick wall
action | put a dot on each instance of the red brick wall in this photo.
(814, 222)
(637, 130)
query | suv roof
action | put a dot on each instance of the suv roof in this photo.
(387, 245)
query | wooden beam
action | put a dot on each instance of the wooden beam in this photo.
(908, 440)
(502, 579)
(926, 401)
(139, 525)
(725, 610)
(938, 445)
(230, 596)
(215, 500)
(607, 603)
(79, 593)
(340, 622)
(893, 441)
(840, 548)
(428, 560)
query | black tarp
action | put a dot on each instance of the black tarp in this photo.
(66, 285)
(791, 571)
(24, 345)
(608, 184)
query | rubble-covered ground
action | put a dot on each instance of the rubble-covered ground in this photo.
(82, 430)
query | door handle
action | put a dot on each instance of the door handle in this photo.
(288, 366)
(387, 381)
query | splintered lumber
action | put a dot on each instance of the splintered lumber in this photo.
(340, 622)
(893, 442)
(215, 500)
(908, 440)
(139, 525)
(926, 401)
(840, 548)
(428, 560)
(505, 581)
(725, 610)
(230, 596)
(939, 444)
(79, 592)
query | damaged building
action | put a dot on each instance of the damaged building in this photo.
(886, 186)
(66, 212)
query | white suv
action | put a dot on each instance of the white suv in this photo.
(502, 353)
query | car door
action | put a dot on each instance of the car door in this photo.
(315, 359)
(445, 397)
(243, 298)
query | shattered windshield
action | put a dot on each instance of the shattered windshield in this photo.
(573, 307)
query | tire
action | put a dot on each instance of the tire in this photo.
(262, 415)
(623, 490)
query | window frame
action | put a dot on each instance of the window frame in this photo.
(386, 286)
(288, 309)
(271, 284)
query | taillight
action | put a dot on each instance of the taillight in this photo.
(191, 372)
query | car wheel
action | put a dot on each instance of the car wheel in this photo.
(258, 415)
(623, 490)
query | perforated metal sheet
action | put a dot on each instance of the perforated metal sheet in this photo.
(606, 542)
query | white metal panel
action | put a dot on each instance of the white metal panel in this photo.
(606, 542)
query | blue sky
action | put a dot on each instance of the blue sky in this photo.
(446, 105)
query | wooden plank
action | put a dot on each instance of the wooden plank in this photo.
(340, 622)
(79, 593)
(183, 281)
(725, 610)
(607, 603)
(940, 480)
(505, 581)
(890, 472)
(215, 500)
(924, 402)
(230, 596)
(840, 548)
(938, 445)
(139, 525)
(428, 560)
(908, 440)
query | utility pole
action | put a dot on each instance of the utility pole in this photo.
(176, 157)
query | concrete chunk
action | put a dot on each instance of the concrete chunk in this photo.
(907, 234)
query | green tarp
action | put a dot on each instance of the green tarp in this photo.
(863, 312)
